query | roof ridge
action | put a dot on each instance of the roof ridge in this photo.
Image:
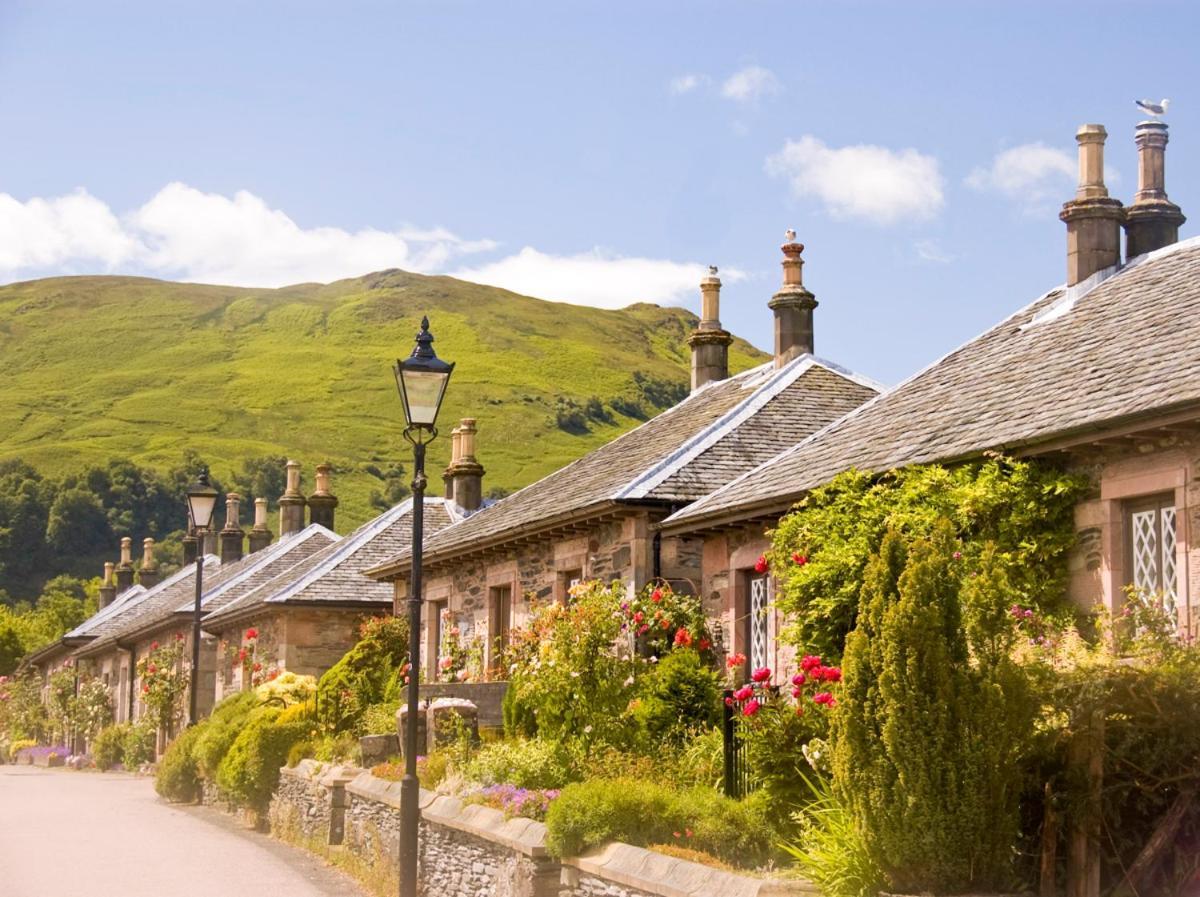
(698, 443)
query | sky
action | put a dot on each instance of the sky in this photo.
(598, 153)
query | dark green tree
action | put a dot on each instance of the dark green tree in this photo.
(78, 524)
(262, 477)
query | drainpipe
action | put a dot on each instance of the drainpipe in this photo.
(656, 542)
(132, 672)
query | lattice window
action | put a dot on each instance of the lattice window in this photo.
(758, 622)
(1152, 546)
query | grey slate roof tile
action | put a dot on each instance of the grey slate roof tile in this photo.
(1072, 360)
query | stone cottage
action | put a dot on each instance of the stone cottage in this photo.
(305, 618)
(595, 518)
(1099, 374)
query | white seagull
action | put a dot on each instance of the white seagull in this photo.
(1155, 109)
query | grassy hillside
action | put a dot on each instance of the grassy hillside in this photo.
(97, 368)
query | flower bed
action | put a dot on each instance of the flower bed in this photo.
(43, 755)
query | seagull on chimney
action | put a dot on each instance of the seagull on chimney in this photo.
(1155, 109)
(790, 235)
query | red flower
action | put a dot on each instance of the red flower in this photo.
(729, 702)
(799, 679)
(746, 691)
(831, 674)
(666, 624)
(656, 596)
(824, 697)
(761, 565)
(735, 660)
(145, 689)
(797, 692)
(179, 636)
(251, 634)
(639, 616)
(704, 644)
(154, 646)
(257, 667)
(151, 669)
(751, 708)
(810, 662)
(683, 638)
(799, 559)
(762, 674)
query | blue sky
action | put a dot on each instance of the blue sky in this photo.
(593, 152)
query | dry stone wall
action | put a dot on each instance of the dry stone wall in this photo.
(468, 850)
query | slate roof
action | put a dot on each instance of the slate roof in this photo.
(222, 583)
(84, 629)
(334, 574)
(1117, 347)
(715, 434)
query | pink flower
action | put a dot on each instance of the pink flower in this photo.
(446, 662)
(797, 692)
(809, 662)
(824, 697)
(761, 565)
(799, 679)
(746, 691)
(751, 708)
(762, 674)
(729, 702)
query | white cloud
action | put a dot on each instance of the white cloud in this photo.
(873, 183)
(595, 278)
(686, 83)
(931, 251)
(186, 234)
(1032, 173)
(750, 84)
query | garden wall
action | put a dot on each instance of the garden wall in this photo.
(468, 849)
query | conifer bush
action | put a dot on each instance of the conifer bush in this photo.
(928, 734)
(372, 672)
(178, 775)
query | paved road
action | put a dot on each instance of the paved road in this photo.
(69, 834)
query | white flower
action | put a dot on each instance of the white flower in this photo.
(654, 659)
(587, 730)
(629, 682)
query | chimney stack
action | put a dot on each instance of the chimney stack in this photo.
(191, 547)
(322, 503)
(709, 342)
(455, 454)
(1152, 221)
(231, 535)
(148, 574)
(1093, 218)
(291, 503)
(466, 473)
(108, 591)
(260, 536)
(125, 568)
(793, 306)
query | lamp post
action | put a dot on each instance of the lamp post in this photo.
(421, 379)
(202, 500)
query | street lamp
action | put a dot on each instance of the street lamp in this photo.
(421, 379)
(202, 500)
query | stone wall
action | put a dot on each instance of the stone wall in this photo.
(469, 850)
(488, 697)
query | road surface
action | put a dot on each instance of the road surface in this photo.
(82, 834)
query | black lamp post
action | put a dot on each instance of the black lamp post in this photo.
(421, 379)
(202, 500)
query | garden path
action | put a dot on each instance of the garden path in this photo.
(109, 835)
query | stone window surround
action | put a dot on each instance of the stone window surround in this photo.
(1115, 493)
(501, 576)
(567, 563)
(741, 569)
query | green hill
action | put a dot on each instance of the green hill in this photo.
(102, 368)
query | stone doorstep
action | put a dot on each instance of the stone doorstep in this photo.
(659, 874)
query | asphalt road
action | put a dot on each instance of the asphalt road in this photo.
(80, 834)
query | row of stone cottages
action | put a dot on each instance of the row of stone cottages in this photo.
(1096, 373)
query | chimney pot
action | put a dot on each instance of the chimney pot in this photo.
(1093, 218)
(108, 589)
(191, 548)
(465, 471)
(148, 574)
(124, 569)
(231, 536)
(793, 306)
(291, 503)
(260, 535)
(1152, 221)
(323, 503)
(709, 342)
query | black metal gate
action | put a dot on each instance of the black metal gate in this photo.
(737, 770)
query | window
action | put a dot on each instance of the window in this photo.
(756, 623)
(567, 580)
(499, 621)
(123, 696)
(1150, 547)
(440, 621)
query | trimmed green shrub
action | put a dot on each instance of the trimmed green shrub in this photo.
(108, 747)
(137, 746)
(588, 814)
(301, 750)
(380, 719)
(249, 772)
(927, 737)
(531, 763)
(178, 777)
(221, 728)
(679, 696)
(372, 672)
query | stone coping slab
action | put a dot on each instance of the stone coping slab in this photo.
(329, 775)
(659, 874)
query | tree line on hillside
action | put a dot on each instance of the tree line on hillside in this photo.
(71, 523)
